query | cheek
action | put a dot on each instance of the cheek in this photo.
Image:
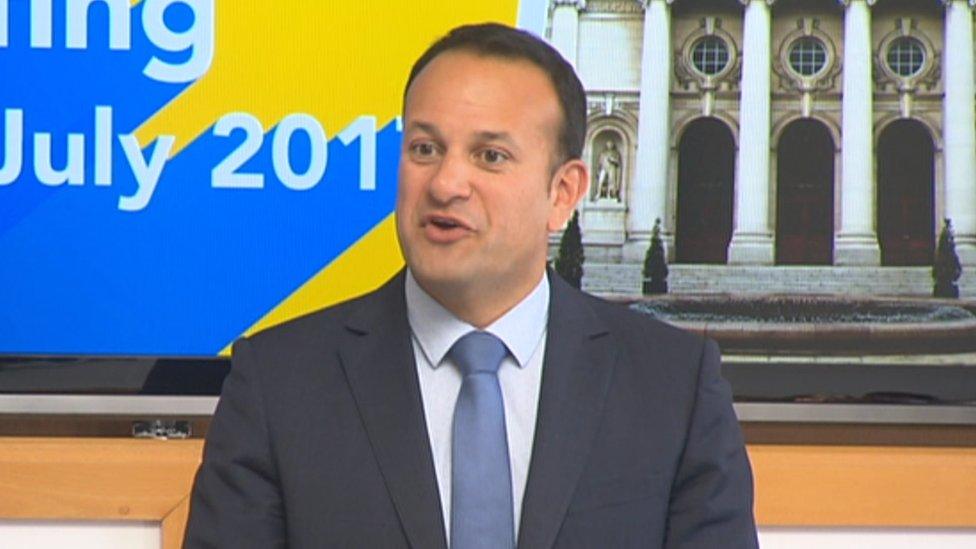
(408, 191)
(525, 215)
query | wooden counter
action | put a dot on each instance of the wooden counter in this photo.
(796, 485)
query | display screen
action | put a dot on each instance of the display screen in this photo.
(176, 174)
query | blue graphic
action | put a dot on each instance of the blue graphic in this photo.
(198, 265)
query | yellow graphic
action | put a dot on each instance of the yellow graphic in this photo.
(335, 60)
(363, 267)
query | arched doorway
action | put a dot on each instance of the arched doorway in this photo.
(706, 170)
(906, 217)
(805, 195)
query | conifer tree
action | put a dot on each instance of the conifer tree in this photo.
(946, 269)
(569, 258)
(655, 264)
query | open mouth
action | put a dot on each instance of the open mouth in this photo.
(444, 223)
(440, 228)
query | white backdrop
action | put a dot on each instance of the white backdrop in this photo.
(24, 534)
(865, 538)
(44, 534)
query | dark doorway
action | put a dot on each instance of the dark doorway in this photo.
(706, 169)
(906, 220)
(805, 195)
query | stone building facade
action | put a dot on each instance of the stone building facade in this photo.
(786, 145)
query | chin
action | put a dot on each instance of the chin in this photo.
(445, 277)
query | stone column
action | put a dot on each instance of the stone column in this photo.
(752, 239)
(856, 240)
(565, 27)
(960, 127)
(649, 190)
(564, 36)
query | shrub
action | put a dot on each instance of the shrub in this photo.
(946, 268)
(569, 258)
(655, 264)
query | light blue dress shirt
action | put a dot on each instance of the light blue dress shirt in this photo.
(523, 330)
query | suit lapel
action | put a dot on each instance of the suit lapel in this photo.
(377, 356)
(576, 374)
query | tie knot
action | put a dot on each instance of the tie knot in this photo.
(478, 352)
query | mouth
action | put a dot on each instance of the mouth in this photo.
(444, 228)
(444, 222)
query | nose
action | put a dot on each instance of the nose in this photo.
(451, 180)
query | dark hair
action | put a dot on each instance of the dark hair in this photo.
(495, 40)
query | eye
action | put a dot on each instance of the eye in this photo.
(492, 157)
(423, 150)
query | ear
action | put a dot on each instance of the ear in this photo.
(569, 184)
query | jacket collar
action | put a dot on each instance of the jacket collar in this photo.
(580, 358)
(377, 357)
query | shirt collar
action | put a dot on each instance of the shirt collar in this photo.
(436, 328)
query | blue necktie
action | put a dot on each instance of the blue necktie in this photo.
(481, 483)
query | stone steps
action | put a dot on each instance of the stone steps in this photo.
(622, 278)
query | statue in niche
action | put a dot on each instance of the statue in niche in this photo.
(608, 172)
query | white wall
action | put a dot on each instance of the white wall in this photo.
(610, 53)
(38, 534)
(43, 534)
(865, 538)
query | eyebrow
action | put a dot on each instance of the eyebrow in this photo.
(424, 126)
(483, 135)
(497, 136)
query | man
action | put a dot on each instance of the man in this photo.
(383, 422)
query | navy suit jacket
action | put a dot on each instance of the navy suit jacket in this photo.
(319, 439)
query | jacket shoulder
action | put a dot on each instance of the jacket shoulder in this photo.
(630, 323)
(323, 325)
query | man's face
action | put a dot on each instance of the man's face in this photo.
(477, 193)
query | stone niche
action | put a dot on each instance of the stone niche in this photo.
(604, 214)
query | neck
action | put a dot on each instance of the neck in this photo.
(479, 304)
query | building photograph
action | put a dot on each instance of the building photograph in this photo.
(790, 146)
(793, 178)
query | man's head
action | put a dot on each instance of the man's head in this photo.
(500, 41)
(485, 169)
